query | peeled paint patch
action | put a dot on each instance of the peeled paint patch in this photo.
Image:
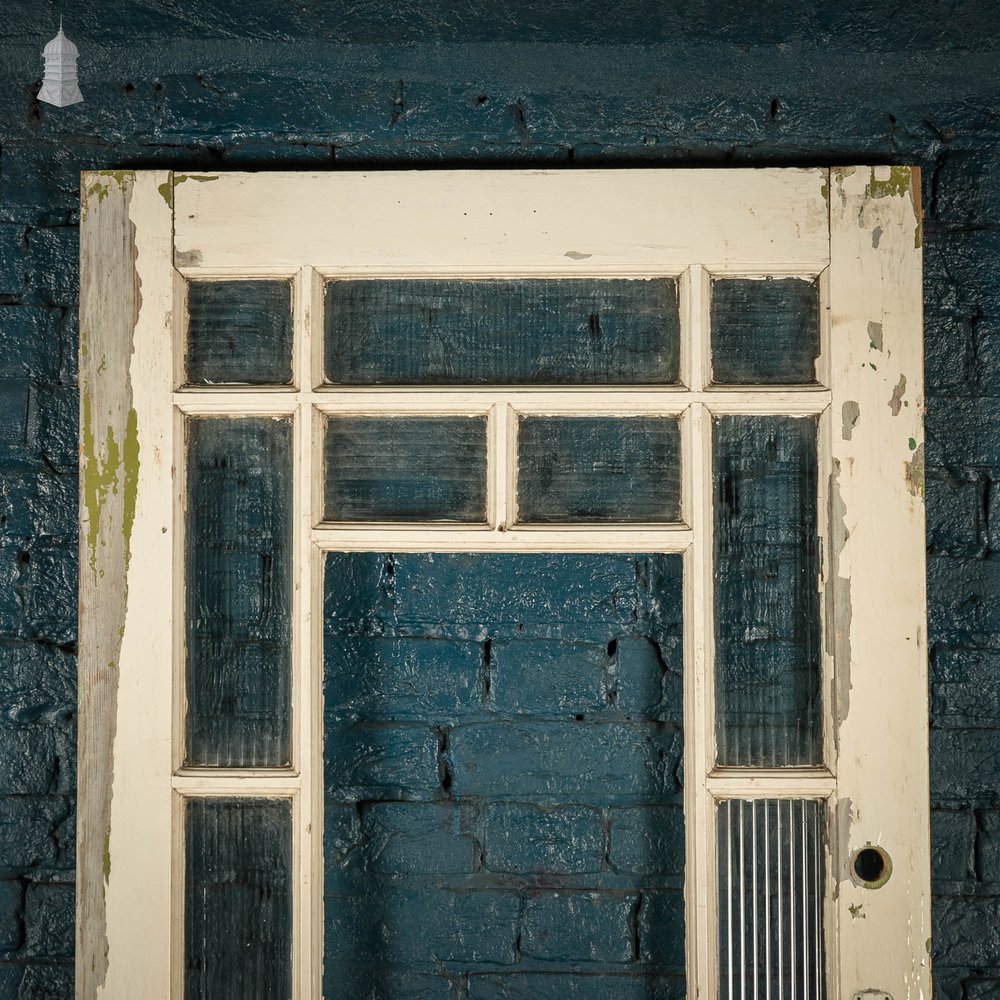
(896, 402)
(851, 414)
(838, 623)
(875, 335)
(915, 471)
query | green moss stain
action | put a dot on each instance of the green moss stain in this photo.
(166, 190)
(105, 470)
(824, 190)
(896, 185)
(913, 444)
(201, 178)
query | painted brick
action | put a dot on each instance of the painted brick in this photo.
(53, 425)
(961, 609)
(376, 678)
(964, 767)
(547, 677)
(600, 763)
(648, 679)
(48, 588)
(966, 932)
(964, 427)
(981, 989)
(364, 762)
(380, 982)
(953, 846)
(956, 519)
(52, 265)
(31, 836)
(561, 986)
(661, 929)
(14, 422)
(987, 854)
(30, 342)
(524, 839)
(50, 981)
(394, 927)
(961, 272)
(48, 921)
(967, 189)
(949, 354)
(965, 689)
(39, 503)
(648, 840)
(37, 683)
(11, 915)
(417, 838)
(580, 927)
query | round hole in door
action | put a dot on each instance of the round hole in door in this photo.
(871, 867)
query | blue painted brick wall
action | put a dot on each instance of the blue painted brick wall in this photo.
(252, 84)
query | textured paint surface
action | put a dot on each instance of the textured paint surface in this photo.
(451, 332)
(764, 332)
(502, 768)
(405, 469)
(598, 469)
(770, 857)
(206, 87)
(767, 635)
(238, 899)
(238, 592)
(239, 332)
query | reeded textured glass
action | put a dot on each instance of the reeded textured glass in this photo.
(239, 333)
(238, 899)
(765, 331)
(449, 331)
(770, 854)
(767, 611)
(614, 469)
(239, 591)
(405, 469)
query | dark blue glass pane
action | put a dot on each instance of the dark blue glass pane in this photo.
(503, 743)
(406, 469)
(584, 331)
(765, 332)
(623, 469)
(239, 592)
(770, 855)
(239, 333)
(238, 899)
(767, 632)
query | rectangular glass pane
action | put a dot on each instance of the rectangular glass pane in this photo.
(237, 899)
(770, 854)
(621, 469)
(405, 469)
(239, 591)
(765, 331)
(239, 333)
(767, 621)
(503, 744)
(450, 331)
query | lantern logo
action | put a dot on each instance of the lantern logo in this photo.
(59, 86)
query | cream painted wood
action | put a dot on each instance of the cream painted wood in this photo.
(691, 224)
(464, 220)
(877, 576)
(125, 800)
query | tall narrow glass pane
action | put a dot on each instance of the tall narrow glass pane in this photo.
(238, 899)
(767, 612)
(503, 768)
(770, 902)
(239, 333)
(765, 331)
(405, 469)
(451, 331)
(624, 469)
(239, 591)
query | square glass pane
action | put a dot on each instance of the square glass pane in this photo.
(239, 591)
(767, 610)
(405, 469)
(764, 331)
(770, 855)
(237, 899)
(503, 744)
(239, 333)
(512, 331)
(614, 469)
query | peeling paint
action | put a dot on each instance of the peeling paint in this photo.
(895, 185)
(187, 258)
(201, 178)
(843, 816)
(857, 911)
(166, 190)
(838, 609)
(850, 414)
(107, 855)
(896, 401)
(876, 237)
(577, 255)
(875, 335)
(915, 472)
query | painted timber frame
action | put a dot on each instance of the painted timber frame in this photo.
(858, 229)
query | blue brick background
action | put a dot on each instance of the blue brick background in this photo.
(221, 84)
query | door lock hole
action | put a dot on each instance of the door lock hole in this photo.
(871, 867)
